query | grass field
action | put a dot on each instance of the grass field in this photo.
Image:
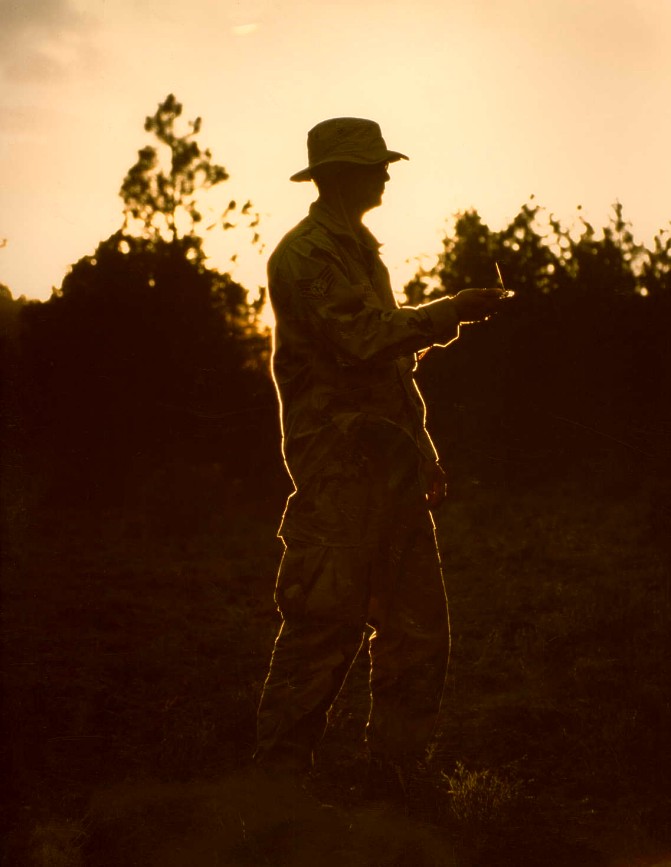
(134, 655)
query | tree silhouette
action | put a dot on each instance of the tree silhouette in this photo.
(145, 354)
(577, 360)
(163, 189)
(539, 256)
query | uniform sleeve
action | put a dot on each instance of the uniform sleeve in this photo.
(347, 316)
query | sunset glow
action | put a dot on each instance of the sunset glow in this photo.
(493, 102)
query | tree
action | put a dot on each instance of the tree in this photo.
(162, 190)
(144, 351)
(540, 257)
(582, 347)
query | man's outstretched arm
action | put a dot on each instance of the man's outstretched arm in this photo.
(358, 331)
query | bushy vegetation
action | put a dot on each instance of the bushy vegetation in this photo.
(146, 356)
(142, 485)
(576, 369)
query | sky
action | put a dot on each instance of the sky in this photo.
(493, 100)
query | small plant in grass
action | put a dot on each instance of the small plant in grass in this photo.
(482, 806)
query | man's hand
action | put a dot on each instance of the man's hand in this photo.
(472, 305)
(436, 484)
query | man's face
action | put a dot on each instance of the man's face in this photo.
(365, 185)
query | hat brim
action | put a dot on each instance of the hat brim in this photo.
(389, 156)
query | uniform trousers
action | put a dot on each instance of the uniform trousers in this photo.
(328, 594)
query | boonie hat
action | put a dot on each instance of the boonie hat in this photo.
(346, 140)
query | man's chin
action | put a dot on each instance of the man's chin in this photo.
(373, 203)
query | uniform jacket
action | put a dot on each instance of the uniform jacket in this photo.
(343, 360)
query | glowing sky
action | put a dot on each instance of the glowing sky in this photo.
(492, 99)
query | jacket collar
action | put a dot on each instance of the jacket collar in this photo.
(335, 222)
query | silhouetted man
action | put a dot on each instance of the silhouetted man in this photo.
(359, 538)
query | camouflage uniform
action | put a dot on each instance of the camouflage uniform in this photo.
(359, 539)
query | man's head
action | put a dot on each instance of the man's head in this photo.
(348, 157)
(357, 187)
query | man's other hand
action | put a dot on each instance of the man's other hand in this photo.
(436, 484)
(473, 305)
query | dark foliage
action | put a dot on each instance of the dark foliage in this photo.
(146, 358)
(142, 355)
(575, 369)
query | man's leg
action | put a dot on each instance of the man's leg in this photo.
(410, 647)
(322, 594)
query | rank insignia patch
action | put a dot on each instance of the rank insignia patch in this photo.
(317, 287)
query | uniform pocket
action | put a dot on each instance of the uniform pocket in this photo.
(322, 582)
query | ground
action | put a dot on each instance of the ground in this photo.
(135, 653)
